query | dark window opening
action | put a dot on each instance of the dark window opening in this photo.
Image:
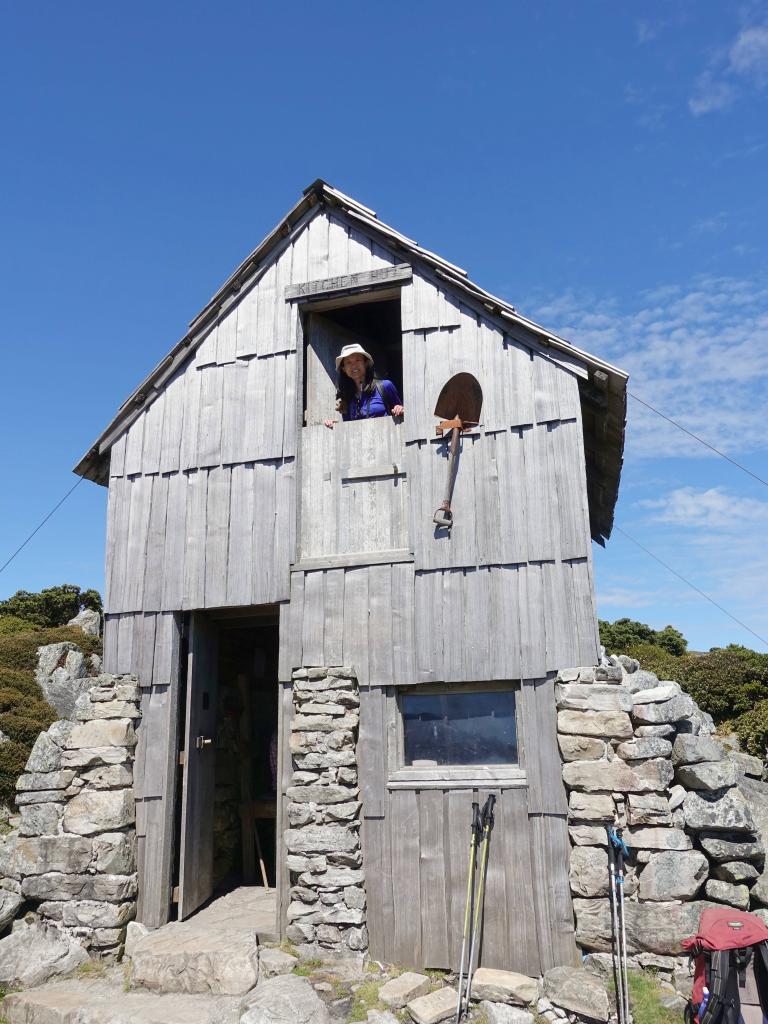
(375, 325)
(245, 802)
(466, 727)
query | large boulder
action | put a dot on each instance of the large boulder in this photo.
(616, 776)
(285, 1000)
(88, 620)
(709, 775)
(718, 812)
(589, 871)
(504, 986)
(651, 927)
(672, 710)
(576, 990)
(62, 675)
(101, 810)
(673, 875)
(688, 749)
(600, 724)
(34, 953)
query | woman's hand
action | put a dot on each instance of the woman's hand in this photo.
(329, 423)
(397, 410)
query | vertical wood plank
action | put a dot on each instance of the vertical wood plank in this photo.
(333, 610)
(153, 435)
(380, 625)
(432, 870)
(117, 456)
(173, 420)
(233, 412)
(405, 839)
(175, 542)
(263, 536)
(134, 446)
(111, 633)
(217, 536)
(291, 617)
(285, 528)
(240, 560)
(314, 618)
(194, 551)
(514, 851)
(403, 646)
(245, 344)
(155, 559)
(226, 337)
(141, 494)
(356, 647)
(550, 852)
(532, 629)
(188, 458)
(211, 411)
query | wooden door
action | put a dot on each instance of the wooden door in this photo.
(196, 852)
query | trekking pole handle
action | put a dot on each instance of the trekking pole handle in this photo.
(477, 818)
(617, 842)
(488, 812)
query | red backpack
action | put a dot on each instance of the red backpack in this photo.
(727, 943)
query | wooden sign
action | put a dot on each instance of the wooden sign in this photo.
(348, 282)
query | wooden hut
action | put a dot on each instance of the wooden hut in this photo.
(246, 540)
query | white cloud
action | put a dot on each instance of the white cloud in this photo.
(744, 64)
(749, 54)
(713, 508)
(710, 93)
(699, 354)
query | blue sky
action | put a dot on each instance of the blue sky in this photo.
(602, 166)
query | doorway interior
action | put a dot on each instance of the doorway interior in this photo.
(227, 799)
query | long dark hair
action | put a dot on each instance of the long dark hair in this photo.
(346, 390)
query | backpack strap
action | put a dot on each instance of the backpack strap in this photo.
(761, 974)
(382, 392)
(719, 976)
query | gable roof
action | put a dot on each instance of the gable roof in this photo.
(602, 389)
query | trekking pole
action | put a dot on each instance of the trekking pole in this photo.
(618, 977)
(466, 940)
(487, 821)
(623, 851)
(619, 849)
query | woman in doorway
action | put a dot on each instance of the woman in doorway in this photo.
(359, 396)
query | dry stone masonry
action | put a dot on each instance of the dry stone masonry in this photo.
(638, 753)
(71, 864)
(326, 912)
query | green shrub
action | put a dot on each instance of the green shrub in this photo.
(618, 636)
(13, 758)
(11, 624)
(656, 659)
(24, 712)
(752, 730)
(53, 606)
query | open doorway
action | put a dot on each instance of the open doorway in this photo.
(227, 805)
(245, 798)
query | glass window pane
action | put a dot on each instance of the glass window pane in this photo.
(470, 727)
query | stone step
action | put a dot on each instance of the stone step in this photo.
(215, 951)
(105, 1003)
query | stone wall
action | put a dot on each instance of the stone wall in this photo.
(72, 861)
(639, 754)
(326, 912)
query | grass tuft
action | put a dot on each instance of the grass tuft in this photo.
(366, 998)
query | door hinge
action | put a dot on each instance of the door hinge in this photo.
(175, 894)
(182, 757)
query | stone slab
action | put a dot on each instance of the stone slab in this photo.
(285, 1000)
(396, 992)
(436, 1006)
(576, 990)
(104, 1003)
(504, 986)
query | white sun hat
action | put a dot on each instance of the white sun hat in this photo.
(349, 350)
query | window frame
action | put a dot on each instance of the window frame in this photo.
(402, 776)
